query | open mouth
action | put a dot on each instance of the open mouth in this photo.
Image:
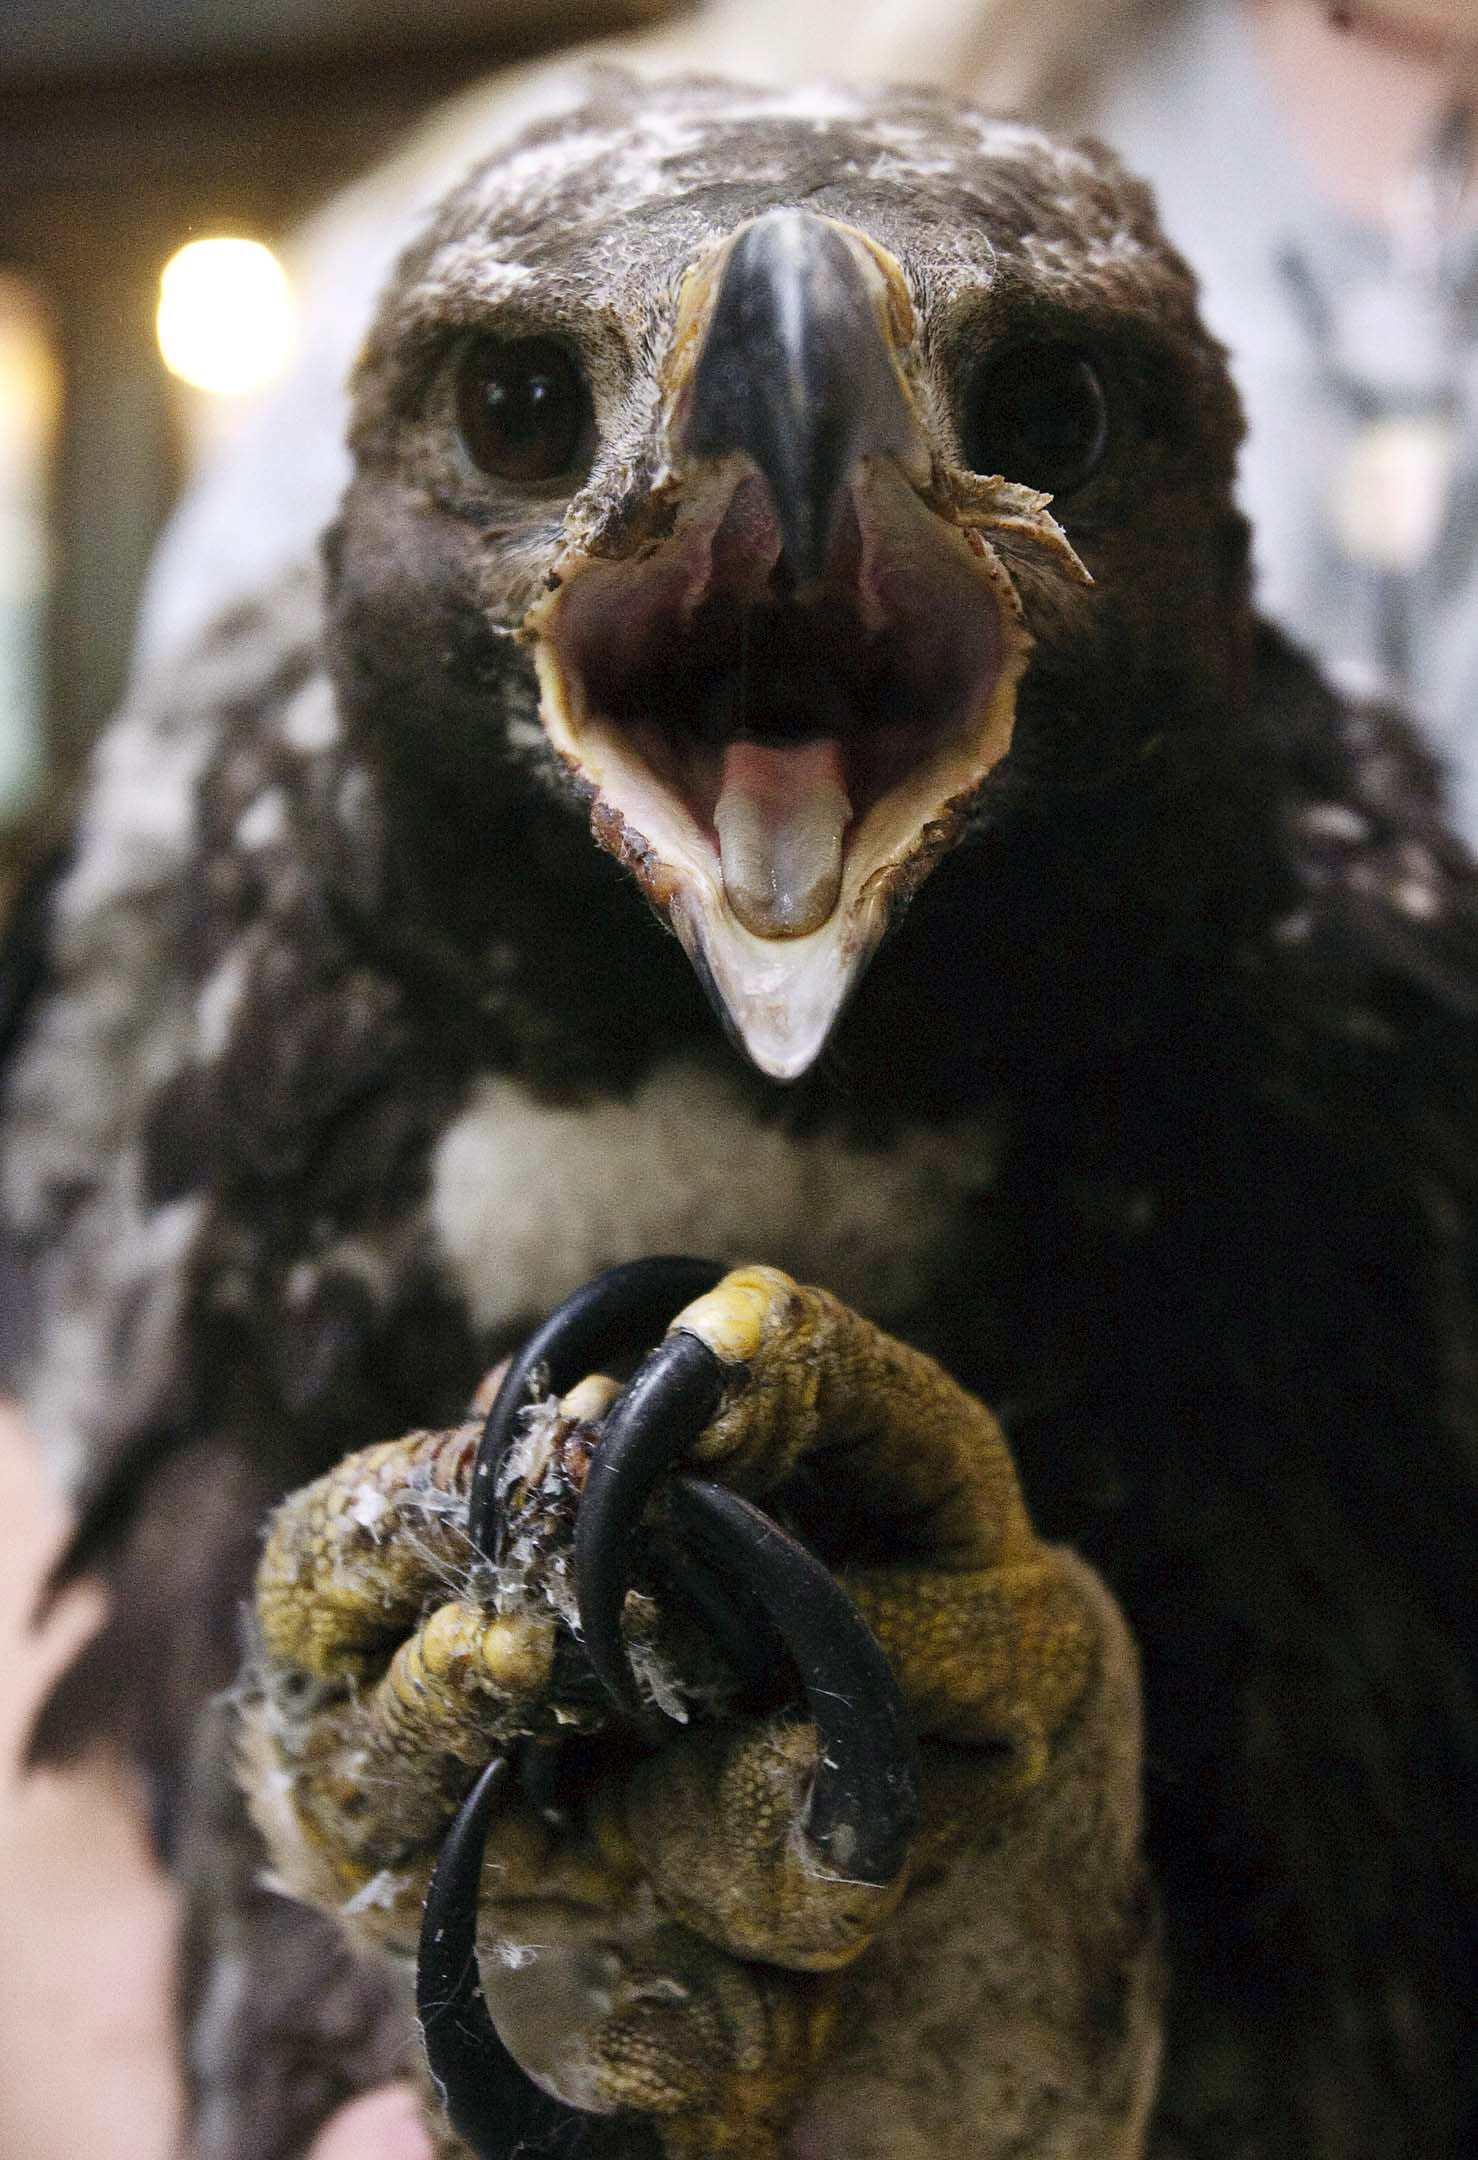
(784, 709)
(778, 764)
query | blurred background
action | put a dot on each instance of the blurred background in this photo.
(130, 129)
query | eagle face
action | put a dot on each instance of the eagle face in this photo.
(782, 478)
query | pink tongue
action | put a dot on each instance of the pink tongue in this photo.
(781, 817)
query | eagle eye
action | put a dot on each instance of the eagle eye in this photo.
(523, 407)
(1036, 414)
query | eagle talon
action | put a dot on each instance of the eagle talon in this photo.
(864, 1802)
(727, 1611)
(671, 1398)
(673, 1905)
(595, 1324)
(864, 1799)
(489, 2099)
(487, 2096)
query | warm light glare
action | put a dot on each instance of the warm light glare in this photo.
(30, 386)
(225, 316)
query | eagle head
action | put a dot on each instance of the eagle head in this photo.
(790, 482)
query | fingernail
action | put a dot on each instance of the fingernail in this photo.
(383, 2125)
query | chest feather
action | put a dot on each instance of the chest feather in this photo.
(529, 1200)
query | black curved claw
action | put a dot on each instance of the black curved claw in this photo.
(728, 1612)
(491, 2102)
(484, 2091)
(671, 1397)
(612, 1315)
(864, 1804)
(733, 1562)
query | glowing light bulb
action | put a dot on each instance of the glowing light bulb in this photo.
(225, 317)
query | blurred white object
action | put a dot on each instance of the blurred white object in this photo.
(1354, 342)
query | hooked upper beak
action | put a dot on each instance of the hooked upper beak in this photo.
(796, 370)
(784, 708)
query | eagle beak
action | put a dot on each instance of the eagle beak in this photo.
(796, 371)
(784, 706)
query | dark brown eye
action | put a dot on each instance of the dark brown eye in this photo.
(1036, 414)
(523, 408)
